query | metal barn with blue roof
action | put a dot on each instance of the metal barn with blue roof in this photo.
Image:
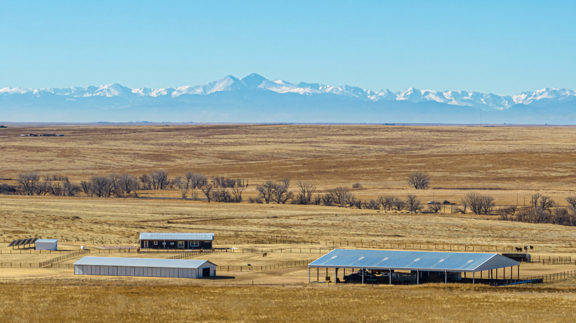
(393, 266)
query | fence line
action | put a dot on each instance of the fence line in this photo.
(262, 268)
(51, 262)
(555, 276)
(559, 260)
(417, 246)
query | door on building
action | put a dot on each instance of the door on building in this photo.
(206, 272)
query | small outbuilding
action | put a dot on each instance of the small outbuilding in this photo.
(176, 240)
(47, 244)
(145, 267)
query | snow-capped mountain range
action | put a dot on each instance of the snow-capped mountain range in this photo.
(280, 101)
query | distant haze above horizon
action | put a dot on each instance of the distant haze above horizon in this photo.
(499, 47)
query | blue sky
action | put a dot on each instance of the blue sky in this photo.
(498, 46)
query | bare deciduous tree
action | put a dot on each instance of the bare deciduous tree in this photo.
(207, 190)
(386, 202)
(266, 191)
(183, 185)
(221, 194)
(434, 207)
(146, 182)
(280, 192)
(572, 201)
(238, 189)
(127, 184)
(413, 204)
(86, 187)
(29, 183)
(70, 189)
(196, 181)
(541, 201)
(478, 203)
(305, 192)
(101, 186)
(341, 196)
(398, 204)
(371, 205)
(419, 180)
(159, 180)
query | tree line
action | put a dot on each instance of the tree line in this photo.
(543, 209)
(194, 186)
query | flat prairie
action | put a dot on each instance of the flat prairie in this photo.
(101, 301)
(509, 162)
(264, 275)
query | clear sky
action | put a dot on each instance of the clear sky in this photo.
(498, 46)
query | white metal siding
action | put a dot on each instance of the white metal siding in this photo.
(46, 246)
(140, 271)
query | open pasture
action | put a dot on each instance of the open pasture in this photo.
(105, 301)
(117, 222)
(267, 241)
(508, 162)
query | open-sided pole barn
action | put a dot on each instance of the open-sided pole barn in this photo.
(392, 266)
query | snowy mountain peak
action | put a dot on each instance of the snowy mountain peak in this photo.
(254, 83)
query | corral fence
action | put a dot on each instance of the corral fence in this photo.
(417, 246)
(50, 263)
(549, 260)
(34, 265)
(555, 276)
(270, 267)
(29, 251)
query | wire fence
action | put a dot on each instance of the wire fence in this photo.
(555, 276)
(269, 267)
(49, 263)
(549, 260)
(418, 246)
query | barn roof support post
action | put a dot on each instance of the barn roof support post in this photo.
(317, 274)
(417, 277)
(389, 276)
(518, 272)
(336, 275)
(445, 277)
(308, 275)
(363, 276)
(473, 277)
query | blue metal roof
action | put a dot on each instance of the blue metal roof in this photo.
(141, 262)
(412, 260)
(176, 236)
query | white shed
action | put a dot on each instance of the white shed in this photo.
(145, 267)
(47, 244)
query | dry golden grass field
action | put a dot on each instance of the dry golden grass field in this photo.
(510, 163)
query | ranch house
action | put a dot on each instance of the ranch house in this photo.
(173, 240)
